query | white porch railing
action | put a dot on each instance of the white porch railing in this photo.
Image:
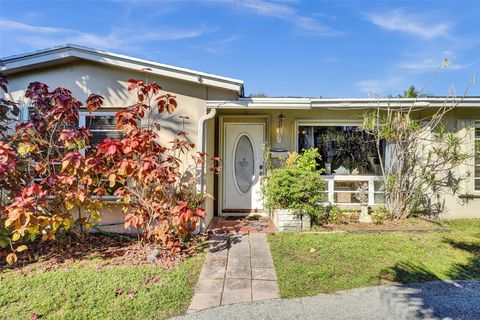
(349, 189)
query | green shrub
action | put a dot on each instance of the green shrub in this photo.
(336, 215)
(297, 186)
(379, 214)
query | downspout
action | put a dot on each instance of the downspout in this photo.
(201, 142)
(201, 148)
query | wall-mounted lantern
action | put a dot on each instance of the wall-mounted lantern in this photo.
(281, 122)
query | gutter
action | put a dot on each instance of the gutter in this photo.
(201, 148)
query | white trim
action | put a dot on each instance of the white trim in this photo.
(69, 51)
(476, 125)
(369, 179)
(341, 103)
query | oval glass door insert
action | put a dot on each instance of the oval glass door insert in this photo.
(244, 169)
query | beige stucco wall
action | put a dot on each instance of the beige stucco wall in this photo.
(455, 207)
(83, 78)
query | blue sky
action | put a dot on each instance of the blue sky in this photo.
(287, 48)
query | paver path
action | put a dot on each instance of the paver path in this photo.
(238, 268)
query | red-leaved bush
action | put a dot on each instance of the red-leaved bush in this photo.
(45, 176)
(157, 182)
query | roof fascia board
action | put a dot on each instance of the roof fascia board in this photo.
(307, 103)
(44, 56)
(262, 103)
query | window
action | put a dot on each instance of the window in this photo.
(102, 125)
(342, 146)
(477, 156)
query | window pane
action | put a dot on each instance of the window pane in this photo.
(102, 127)
(477, 171)
(477, 152)
(379, 198)
(477, 184)
(350, 185)
(244, 164)
(345, 197)
(342, 146)
(379, 186)
(101, 122)
(97, 137)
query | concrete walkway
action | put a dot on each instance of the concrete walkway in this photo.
(238, 268)
(434, 300)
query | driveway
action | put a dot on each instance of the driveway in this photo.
(433, 300)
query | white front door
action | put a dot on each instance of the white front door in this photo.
(243, 167)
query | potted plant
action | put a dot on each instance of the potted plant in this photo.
(295, 191)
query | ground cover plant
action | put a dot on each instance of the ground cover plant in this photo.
(99, 285)
(310, 263)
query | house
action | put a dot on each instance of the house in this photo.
(225, 123)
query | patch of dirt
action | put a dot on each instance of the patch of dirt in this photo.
(110, 251)
(413, 224)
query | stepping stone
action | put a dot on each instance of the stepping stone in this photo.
(239, 273)
(212, 272)
(239, 263)
(237, 285)
(215, 261)
(264, 274)
(238, 297)
(264, 289)
(204, 300)
(209, 287)
(263, 262)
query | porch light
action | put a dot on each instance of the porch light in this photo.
(281, 121)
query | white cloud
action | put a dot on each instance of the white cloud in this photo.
(219, 46)
(426, 64)
(18, 26)
(120, 38)
(284, 12)
(430, 64)
(415, 24)
(374, 87)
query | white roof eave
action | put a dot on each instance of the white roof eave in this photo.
(343, 103)
(71, 51)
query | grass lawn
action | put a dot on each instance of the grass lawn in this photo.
(85, 290)
(308, 263)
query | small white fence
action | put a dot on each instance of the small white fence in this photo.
(354, 190)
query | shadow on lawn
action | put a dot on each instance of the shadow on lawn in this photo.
(67, 249)
(429, 300)
(107, 249)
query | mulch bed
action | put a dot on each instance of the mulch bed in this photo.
(111, 251)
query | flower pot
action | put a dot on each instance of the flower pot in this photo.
(285, 220)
